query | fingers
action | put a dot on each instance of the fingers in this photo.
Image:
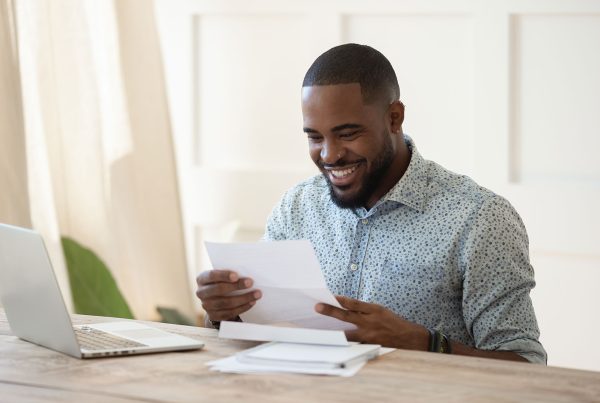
(222, 289)
(230, 302)
(215, 283)
(216, 276)
(231, 314)
(215, 289)
(357, 306)
(338, 313)
(228, 307)
(354, 311)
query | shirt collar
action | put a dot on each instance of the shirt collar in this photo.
(411, 189)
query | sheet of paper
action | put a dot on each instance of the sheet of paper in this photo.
(306, 355)
(289, 276)
(386, 350)
(251, 331)
(232, 365)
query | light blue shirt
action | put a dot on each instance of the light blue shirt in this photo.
(437, 249)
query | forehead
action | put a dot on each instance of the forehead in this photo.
(347, 95)
(333, 102)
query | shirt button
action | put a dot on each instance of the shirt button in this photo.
(365, 221)
(353, 267)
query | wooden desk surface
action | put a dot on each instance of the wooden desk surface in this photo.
(35, 374)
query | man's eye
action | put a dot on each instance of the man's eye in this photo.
(314, 138)
(349, 134)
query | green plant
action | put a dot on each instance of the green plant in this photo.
(93, 287)
(172, 315)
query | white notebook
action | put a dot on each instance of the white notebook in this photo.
(308, 355)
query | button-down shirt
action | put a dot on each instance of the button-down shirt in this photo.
(437, 249)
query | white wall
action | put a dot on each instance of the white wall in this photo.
(507, 92)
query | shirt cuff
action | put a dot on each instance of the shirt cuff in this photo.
(529, 349)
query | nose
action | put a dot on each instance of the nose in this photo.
(331, 151)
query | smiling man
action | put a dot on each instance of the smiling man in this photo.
(421, 258)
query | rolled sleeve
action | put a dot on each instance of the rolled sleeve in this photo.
(498, 278)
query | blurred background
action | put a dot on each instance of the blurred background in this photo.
(131, 131)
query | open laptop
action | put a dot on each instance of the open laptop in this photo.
(37, 313)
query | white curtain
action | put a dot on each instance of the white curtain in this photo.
(14, 207)
(99, 155)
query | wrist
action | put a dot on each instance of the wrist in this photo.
(421, 339)
(439, 342)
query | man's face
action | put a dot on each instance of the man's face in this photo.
(349, 141)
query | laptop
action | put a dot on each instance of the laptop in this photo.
(37, 313)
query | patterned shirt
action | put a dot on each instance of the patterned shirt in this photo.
(437, 249)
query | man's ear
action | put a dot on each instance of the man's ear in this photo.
(396, 116)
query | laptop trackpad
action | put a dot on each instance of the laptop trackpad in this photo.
(140, 334)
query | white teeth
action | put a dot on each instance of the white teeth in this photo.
(340, 173)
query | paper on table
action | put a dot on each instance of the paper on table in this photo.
(385, 350)
(298, 358)
(251, 331)
(308, 356)
(232, 365)
(289, 277)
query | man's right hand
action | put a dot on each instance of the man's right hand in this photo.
(213, 289)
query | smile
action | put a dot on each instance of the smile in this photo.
(341, 173)
(342, 176)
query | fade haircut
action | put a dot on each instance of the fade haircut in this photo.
(353, 63)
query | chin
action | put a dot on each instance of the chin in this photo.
(349, 197)
(346, 199)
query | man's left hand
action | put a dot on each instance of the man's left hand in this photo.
(377, 325)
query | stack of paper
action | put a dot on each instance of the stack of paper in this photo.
(276, 357)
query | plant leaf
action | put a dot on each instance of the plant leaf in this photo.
(172, 315)
(93, 287)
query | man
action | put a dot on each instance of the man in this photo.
(421, 258)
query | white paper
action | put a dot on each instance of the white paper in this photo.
(272, 358)
(289, 277)
(385, 350)
(308, 356)
(232, 365)
(251, 331)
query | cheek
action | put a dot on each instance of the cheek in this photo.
(363, 151)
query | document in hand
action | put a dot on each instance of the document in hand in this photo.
(289, 276)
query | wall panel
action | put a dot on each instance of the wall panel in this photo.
(557, 98)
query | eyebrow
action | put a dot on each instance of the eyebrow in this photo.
(337, 128)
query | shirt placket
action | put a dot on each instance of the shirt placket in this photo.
(357, 258)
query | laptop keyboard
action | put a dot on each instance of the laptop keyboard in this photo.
(94, 339)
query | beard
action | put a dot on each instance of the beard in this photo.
(371, 181)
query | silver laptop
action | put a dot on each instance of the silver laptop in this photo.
(37, 313)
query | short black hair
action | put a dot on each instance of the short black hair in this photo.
(353, 63)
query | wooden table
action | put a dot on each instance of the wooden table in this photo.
(35, 374)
